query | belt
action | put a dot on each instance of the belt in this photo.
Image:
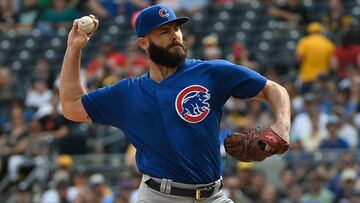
(198, 193)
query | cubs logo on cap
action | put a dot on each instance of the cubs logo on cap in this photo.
(152, 17)
(192, 103)
(163, 13)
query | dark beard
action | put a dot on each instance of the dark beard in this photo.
(163, 57)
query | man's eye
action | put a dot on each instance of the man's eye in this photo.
(163, 32)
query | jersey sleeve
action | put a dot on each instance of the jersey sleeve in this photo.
(104, 105)
(239, 81)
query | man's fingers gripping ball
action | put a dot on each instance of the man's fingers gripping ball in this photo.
(255, 145)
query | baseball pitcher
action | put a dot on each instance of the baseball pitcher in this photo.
(172, 113)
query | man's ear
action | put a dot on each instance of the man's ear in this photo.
(143, 43)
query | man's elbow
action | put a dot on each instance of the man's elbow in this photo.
(74, 110)
(76, 116)
(273, 86)
(281, 88)
(67, 112)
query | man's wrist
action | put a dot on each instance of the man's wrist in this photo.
(282, 128)
(73, 49)
(286, 124)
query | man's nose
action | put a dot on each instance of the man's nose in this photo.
(174, 36)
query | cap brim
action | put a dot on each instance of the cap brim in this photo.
(179, 21)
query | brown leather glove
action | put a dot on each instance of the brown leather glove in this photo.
(250, 146)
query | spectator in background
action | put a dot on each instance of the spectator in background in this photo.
(355, 92)
(257, 186)
(311, 142)
(242, 57)
(123, 193)
(268, 194)
(294, 194)
(65, 162)
(29, 14)
(333, 141)
(295, 98)
(346, 161)
(190, 39)
(100, 8)
(185, 7)
(60, 15)
(107, 63)
(43, 70)
(135, 58)
(345, 98)
(80, 181)
(58, 130)
(7, 92)
(224, 2)
(313, 53)
(348, 181)
(302, 123)
(14, 142)
(244, 173)
(59, 195)
(336, 21)
(232, 191)
(325, 90)
(291, 11)
(287, 178)
(39, 95)
(136, 181)
(98, 187)
(317, 191)
(259, 113)
(60, 189)
(132, 6)
(353, 198)
(347, 56)
(8, 15)
(129, 157)
(347, 131)
(356, 117)
(23, 194)
(111, 7)
(2, 133)
(210, 48)
(44, 4)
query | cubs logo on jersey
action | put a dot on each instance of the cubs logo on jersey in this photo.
(192, 103)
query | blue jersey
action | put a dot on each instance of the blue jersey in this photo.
(174, 124)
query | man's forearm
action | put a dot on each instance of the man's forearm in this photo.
(279, 100)
(71, 88)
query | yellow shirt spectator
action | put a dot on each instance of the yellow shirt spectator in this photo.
(314, 52)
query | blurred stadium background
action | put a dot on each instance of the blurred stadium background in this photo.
(46, 158)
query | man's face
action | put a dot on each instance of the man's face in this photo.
(166, 46)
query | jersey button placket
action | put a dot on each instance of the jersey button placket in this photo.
(160, 95)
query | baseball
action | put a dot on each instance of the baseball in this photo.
(86, 24)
